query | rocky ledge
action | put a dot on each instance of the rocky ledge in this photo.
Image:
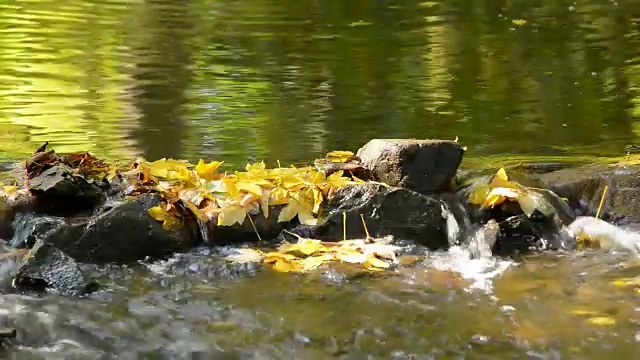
(72, 209)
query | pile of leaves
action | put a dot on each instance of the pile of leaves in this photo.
(501, 189)
(308, 254)
(229, 198)
(82, 164)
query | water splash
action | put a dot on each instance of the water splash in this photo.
(607, 234)
(474, 260)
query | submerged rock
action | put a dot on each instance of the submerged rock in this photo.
(48, 267)
(421, 165)
(400, 212)
(124, 233)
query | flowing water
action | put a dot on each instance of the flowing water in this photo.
(289, 80)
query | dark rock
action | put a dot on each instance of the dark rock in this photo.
(48, 267)
(521, 234)
(268, 228)
(421, 165)
(59, 187)
(28, 228)
(400, 212)
(124, 233)
(583, 188)
(7, 333)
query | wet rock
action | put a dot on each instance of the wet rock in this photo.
(583, 188)
(28, 228)
(268, 228)
(400, 212)
(48, 267)
(59, 188)
(124, 233)
(421, 165)
(521, 234)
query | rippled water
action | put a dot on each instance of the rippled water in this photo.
(290, 80)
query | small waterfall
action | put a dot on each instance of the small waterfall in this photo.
(483, 239)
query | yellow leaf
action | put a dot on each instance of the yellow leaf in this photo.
(275, 256)
(313, 262)
(337, 180)
(194, 210)
(582, 312)
(283, 266)
(498, 195)
(519, 22)
(207, 171)
(170, 169)
(158, 213)
(339, 156)
(172, 223)
(278, 196)
(255, 167)
(602, 321)
(478, 193)
(249, 187)
(352, 257)
(317, 200)
(231, 214)
(373, 263)
(304, 246)
(264, 202)
(289, 212)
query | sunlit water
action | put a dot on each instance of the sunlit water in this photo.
(283, 80)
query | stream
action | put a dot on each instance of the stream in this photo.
(236, 81)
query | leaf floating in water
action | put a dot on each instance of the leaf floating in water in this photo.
(309, 254)
(519, 22)
(584, 312)
(601, 321)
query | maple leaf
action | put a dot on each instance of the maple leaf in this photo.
(339, 156)
(207, 171)
(169, 221)
(301, 207)
(231, 214)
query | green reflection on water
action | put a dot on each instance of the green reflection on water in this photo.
(279, 80)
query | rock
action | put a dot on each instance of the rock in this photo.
(420, 165)
(124, 233)
(521, 234)
(58, 187)
(400, 212)
(28, 228)
(268, 228)
(583, 188)
(48, 267)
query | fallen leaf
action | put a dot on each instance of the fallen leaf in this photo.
(601, 321)
(207, 171)
(339, 156)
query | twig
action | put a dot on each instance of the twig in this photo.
(364, 224)
(344, 225)
(604, 193)
(254, 227)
